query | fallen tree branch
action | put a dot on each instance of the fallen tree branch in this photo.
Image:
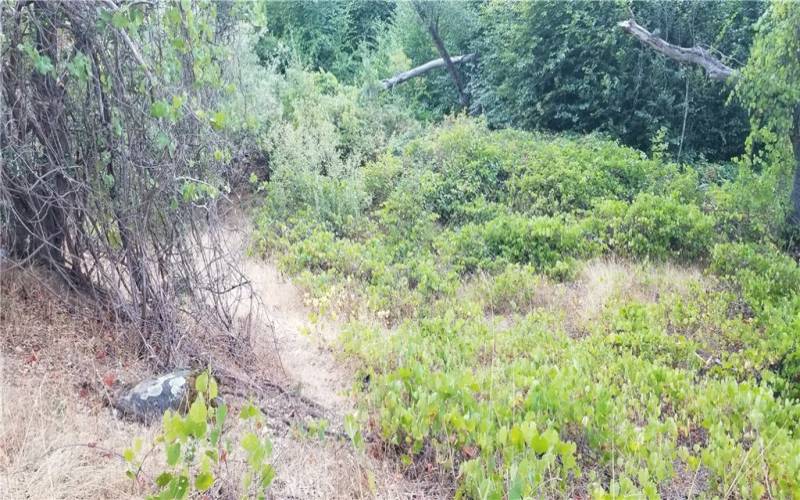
(715, 69)
(421, 70)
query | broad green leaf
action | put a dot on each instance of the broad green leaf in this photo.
(43, 64)
(174, 426)
(218, 120)
(199, 429)
(173, 453)
(515, 492)
(80, 66)
(177, 102)
(256, 451)
(539, 444)
(249, 411)
(204, 481)
(159, 109)
(250, 442)
(178, 487)
(267, 475)
(162, 139)
(120, 19)
(163, 479)
(173, 15)
(198, 412)
(221, 414)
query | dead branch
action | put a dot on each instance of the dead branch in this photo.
(421, 70)
(715, 69)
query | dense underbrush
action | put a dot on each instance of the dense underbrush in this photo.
(439, 249)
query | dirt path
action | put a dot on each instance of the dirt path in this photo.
(305, 349)
(308, 467)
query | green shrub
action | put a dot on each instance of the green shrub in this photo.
(513, 290)
(689, 382)
(550, 244)
(769, 282)
(407, 223)
(337, 203)
(326, 133)
(764, 275)
(654, 227)
(489, 403)
(381, 177)
(469, 163)
(753, 207)
(529, 173)
(789, 371)
(558, 174)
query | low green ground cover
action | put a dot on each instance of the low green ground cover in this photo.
(442, 245)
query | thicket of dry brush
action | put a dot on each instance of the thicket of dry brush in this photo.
(114, 162)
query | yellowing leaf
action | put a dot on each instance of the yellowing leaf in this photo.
(203, 481)
(198, 411)
(201, 384)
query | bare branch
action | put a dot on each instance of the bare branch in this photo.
(715, 69)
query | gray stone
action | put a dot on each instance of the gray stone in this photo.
(150, 398)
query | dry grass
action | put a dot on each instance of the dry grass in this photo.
(603, 281)
(52, 411)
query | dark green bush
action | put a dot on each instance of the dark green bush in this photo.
(658, 227)
(653, 226)
(549, 244)
(530, 173)
(324, 35)
(754, 206)
(470, 163)
(769, 282)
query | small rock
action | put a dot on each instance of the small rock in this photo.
(150, 398)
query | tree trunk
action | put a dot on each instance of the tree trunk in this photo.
(715, 69)
(794, 216)
(430, 18)
(37, 186)
(451, 67)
